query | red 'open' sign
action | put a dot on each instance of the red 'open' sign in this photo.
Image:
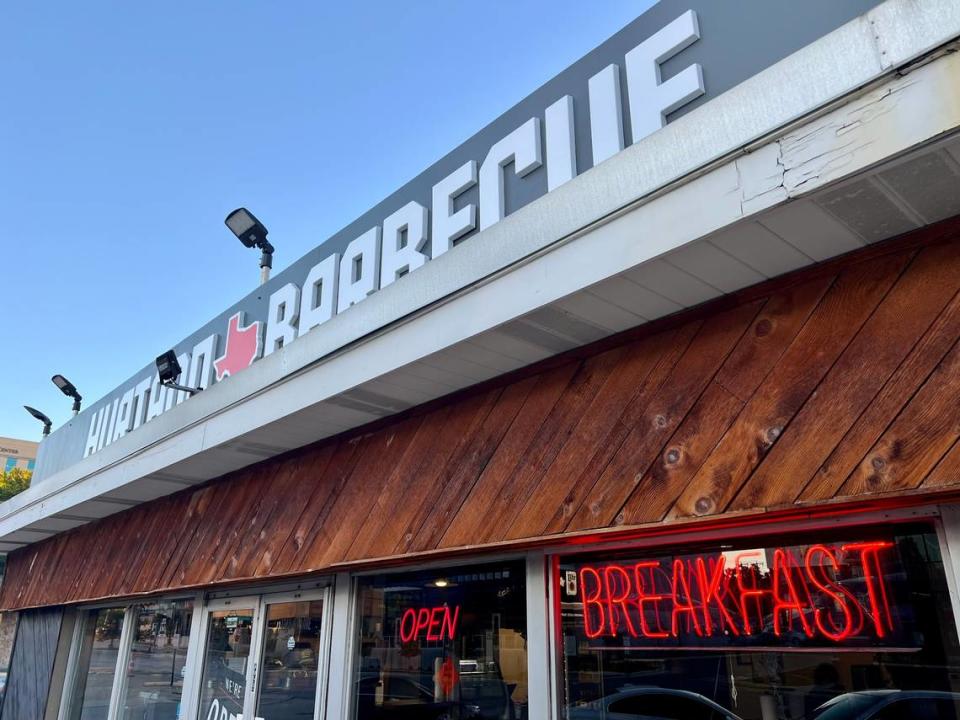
(803, 595)
(435, 623)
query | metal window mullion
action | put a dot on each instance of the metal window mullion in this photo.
(343, 619)
(555, 640)
(255, 658)
(123, 657)
(948, 533)
(193, 709)
(191, 680)
(323, 669)
(539, 684)
(70, 676)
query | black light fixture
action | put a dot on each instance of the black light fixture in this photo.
(252, 233)
(41, 417)
(168, 368)
(68, 389)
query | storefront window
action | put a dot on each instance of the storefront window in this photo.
(443, 644)
(858, 625)
(158, 656)
(225, 663)
(291, 653)
(96, 664)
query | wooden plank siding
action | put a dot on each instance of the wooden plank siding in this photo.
(31, 665)
(837, 383)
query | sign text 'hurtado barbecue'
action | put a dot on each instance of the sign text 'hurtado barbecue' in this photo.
(397, 245)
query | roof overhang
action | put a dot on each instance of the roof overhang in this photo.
(847, 142)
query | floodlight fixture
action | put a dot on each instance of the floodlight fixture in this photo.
(68, 389)
(47, 422)
(168, 368)
(252, 233)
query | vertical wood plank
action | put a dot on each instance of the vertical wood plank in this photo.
(683, 455)
(662, 415)
(901, 386)
(31, 665)
(492, 495)
(881, 345)
(641, 368)
(826, 333)
(922, 434)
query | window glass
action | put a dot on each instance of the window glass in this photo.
(96, 664)
(791, 629)
(291, 653)
(443, 644)
(225, 659)
(158, 657)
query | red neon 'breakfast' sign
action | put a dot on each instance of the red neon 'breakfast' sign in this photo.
(436, 623)
(801, 595)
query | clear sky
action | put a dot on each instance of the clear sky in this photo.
(130, 129)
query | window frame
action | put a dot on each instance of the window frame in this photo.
(345, 639)
(117, 689)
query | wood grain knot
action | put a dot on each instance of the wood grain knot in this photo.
(703, 506)
(659, 421)
(763, 328)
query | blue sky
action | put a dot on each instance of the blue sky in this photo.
(130, 129)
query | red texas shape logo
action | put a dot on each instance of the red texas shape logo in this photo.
(242, 347)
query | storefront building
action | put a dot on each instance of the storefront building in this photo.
(642, 403)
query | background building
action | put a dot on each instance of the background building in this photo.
(17, 454)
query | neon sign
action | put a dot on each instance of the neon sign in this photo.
(435, 623)
(814, 595)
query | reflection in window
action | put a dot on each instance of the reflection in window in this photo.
(225, 663)
(96, 664)
(443, 644)
(158, 656)
(840, 629)
(291, 649)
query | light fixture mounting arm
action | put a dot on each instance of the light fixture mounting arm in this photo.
(174, 386)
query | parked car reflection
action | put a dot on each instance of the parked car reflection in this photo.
(402, 696)
(891, 705)
(651, 703)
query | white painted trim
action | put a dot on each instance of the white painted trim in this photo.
(254, 660)
(340, 679)
(555, 645)
(260, 631)
(191, 682)
(949, 535)
(203, 629)
(70, 676)
(323, 670)
(123, 657)
(270, 587)
(528, 256)
(249, 601)
(539, 665)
